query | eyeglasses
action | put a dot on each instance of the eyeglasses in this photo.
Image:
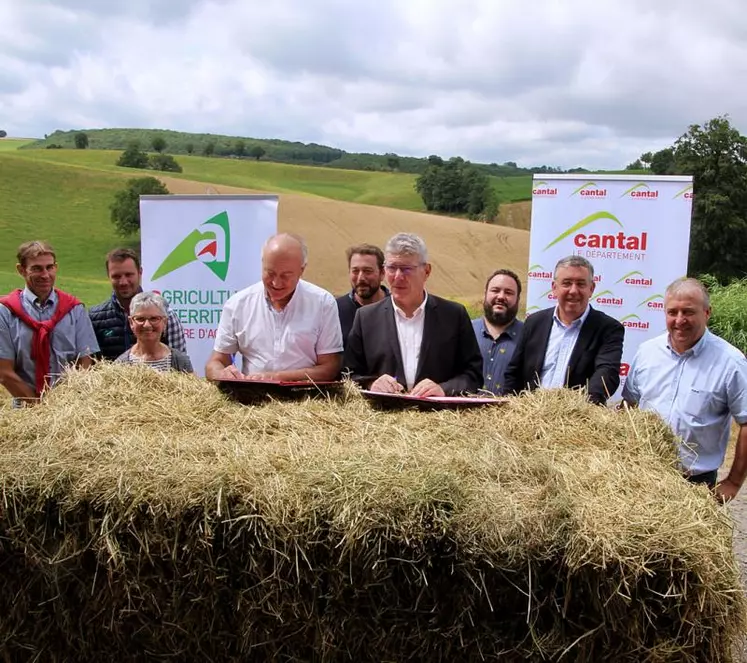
(405, 270)
(141, 320)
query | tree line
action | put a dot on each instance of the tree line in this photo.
(282, 151)
(715, 154)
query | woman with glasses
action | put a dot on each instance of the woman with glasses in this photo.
(147, 319)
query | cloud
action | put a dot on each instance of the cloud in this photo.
(577, 83)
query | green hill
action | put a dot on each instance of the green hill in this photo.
(64, 196)
(374, 188)
(66, 206)
(179, 142)
(13, 143)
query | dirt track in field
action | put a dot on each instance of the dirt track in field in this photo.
(463, 253)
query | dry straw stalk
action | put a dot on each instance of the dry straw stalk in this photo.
(146, 517)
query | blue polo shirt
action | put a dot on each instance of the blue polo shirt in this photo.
(496, 352)
(697, 393)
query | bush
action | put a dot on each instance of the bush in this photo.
(456, 187)
(159, 143)
(133, 157)
(728, 310)
(125, 210)
(164, 162)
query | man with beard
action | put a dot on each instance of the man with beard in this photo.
(366, 270)
(498, 331)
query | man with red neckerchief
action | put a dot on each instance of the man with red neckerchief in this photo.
(42, 329)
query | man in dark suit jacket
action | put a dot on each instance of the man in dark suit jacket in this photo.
(571, 345)
(413, 341)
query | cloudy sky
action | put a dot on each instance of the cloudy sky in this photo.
(565, 82)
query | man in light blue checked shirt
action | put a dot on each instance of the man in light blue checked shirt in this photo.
(697, 382)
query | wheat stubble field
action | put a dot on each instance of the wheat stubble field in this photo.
(463, 253)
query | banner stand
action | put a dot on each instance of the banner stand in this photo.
(198, 250)
(634, 230)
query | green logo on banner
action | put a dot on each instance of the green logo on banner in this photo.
(582, 224)
(209, 244)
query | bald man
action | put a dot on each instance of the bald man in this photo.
(284, 328)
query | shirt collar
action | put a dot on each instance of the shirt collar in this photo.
(32, 299)
(696, 349)
(510, 329)
(287, 306)
(118, 303)
(576, 323)
(351, 294)
(418, 311)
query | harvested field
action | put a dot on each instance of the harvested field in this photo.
(463, 252)
(146, 517)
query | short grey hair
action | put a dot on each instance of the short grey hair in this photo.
(145, 299)
(293, 236)
(683, 284)
(407, 244)
(574, 261)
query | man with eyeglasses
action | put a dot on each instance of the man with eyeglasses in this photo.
(413, 341)
(42, 328)
(366, 270)
(110, 318)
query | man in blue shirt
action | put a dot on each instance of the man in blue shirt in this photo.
(570, 345)
(498, 329)
(697, 383)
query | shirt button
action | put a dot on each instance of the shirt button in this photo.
(491, 359)
(490, 377)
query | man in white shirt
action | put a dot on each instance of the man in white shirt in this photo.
(697, 383)
(284, 328)
(413, 341)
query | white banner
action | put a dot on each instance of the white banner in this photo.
(634, 230)
(197, 251)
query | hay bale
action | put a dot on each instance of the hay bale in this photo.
(145, 516)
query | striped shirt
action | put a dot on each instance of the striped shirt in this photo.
(162, 365)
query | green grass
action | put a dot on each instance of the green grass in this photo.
(387, 189)
(13, 143)
(513, 189)
(729, 311)
(69, 207)
(63, 196)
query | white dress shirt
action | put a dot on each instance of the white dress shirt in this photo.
(559, 349)
(697, 393)
(270, 340)
(410, 335)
